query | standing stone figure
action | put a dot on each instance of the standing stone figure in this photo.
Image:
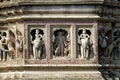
(102, 42)
(61, 44)
(102, 39)
(37, 44)
(117, 49)
(10, 48)
(19, 43)
(110, 48)
(84, 44)
(7, 47)
(3, 46)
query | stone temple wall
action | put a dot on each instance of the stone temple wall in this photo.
(59, 40)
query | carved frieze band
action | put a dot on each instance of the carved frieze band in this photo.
(51, 42)
(61, 42)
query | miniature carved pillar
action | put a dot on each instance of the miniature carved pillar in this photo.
(48, 41)
(26, 31)
(95, 40)
(73, 41)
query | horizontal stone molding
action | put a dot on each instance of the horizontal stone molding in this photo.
(60, 17)
(61, 2)
(49, 67)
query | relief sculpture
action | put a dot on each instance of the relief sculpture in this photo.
(6, 47)
(105, 44)
(102, 41)
(116, 49)
(19, 44)
(109, 44)
(37, 43)
(84, 44)
(112, 50)
(3, 47)
(61, 43)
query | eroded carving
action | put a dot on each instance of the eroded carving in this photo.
(116, 49)
(10, 48)
(19, 44)
(84, 44)
(37, 43)
(110, 48)
(3, 46)
(61, 43)
(102, 39)
(6, 47)
(105, 44)
(109, 42)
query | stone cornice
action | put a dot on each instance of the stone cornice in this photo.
(58, 17)
(34, 2)
(78, 67)
(47, 2)
(50, 16)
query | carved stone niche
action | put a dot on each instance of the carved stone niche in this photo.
(60, 42)
(36, 43)
(85, 42)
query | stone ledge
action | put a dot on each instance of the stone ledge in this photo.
(48, 2)
(59, 66)
(51, 75)
(33, 2)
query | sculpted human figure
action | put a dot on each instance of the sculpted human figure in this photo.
(37, 45)
(3, 46)
(19, 43)
(66, 48)
(85, 44)
(102, 42)
(60, 43)
(109, 49)
(117, 49)
(102, 39)
(10, 48)
(6, 47)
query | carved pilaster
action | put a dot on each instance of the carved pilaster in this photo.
(73, 42)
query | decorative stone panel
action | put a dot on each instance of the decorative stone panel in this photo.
(60, 42)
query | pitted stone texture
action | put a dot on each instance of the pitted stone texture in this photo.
(52, 75)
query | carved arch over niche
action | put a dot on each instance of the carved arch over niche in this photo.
(32, 33)
(87, 32)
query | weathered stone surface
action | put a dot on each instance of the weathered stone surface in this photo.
(45, 40)
(52, 75)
